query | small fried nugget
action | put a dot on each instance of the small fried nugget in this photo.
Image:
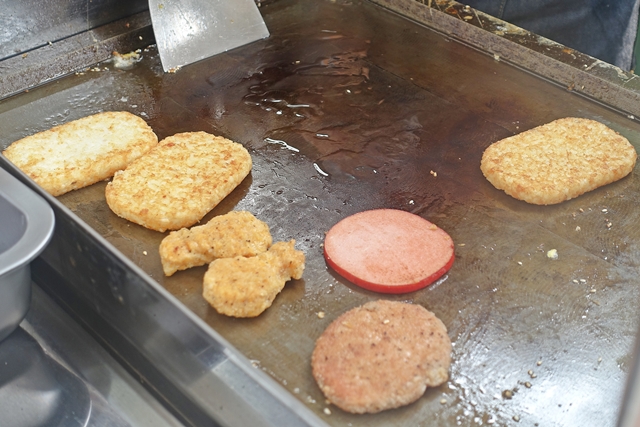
(558, 161)
(174, 185)
(381, 355)
(82, 152)
(245, 287)
(237, 233)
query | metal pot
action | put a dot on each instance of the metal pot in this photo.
(26, 226)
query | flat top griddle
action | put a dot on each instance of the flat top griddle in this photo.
(348, 107)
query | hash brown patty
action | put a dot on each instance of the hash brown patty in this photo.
(558, 161)
(381, 355)
(82, 152)
(175, 184)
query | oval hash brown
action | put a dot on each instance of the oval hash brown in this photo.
(558, 161)
(82, 152)
(176, 183)
(381, 355)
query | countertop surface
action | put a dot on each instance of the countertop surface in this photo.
(55, 374)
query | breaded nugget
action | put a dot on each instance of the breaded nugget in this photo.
(381, 355)
(245, 287)
(82, 152)
(237, 233)
(174, 185)
(558, 161)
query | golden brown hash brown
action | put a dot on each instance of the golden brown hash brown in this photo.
(174, 185)
(558, 161)
(82, 152)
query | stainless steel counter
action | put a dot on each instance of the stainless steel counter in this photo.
(55, 374)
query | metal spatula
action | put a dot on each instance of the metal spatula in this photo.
(187, 31)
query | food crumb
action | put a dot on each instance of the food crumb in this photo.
(327, 411)
(433, 173)
(552, 254)
(578, 228)
(539, 362)
(125, 61)
(516, 418)
(519, 262)
(144, 252)
(443, 401)
(386, 321)
(320, 315)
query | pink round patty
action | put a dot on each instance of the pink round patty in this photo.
(388, 250)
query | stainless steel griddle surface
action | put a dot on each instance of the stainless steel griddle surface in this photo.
(348, 107)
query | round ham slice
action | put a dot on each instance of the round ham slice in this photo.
(388, 250)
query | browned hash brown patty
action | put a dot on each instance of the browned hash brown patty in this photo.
(381, 355)
(558, 161)
(176, 183)
(82, 152)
